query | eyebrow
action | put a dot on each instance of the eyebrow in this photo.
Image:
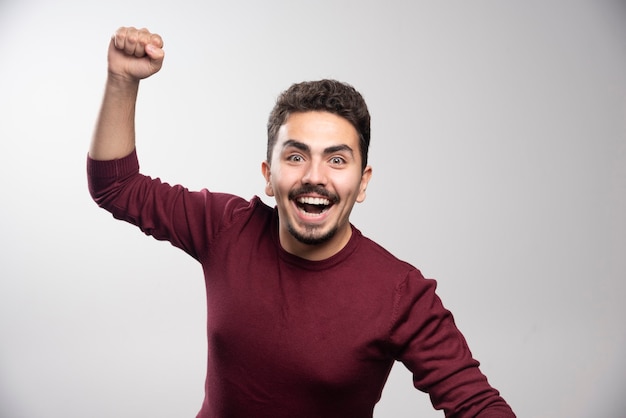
(305, 148)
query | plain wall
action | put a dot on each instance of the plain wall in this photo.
(499, 155)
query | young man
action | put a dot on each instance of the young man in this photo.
(305, 315)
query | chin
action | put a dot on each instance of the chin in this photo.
(312, 237)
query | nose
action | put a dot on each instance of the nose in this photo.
(315, 174)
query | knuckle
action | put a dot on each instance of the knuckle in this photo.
(156, 40)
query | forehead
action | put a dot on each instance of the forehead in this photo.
(317, 129)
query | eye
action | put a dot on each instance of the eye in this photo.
(337, 160)
(295, 158)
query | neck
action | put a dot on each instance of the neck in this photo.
(315, 252)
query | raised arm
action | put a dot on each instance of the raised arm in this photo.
(134, 54)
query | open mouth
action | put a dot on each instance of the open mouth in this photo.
(313, 205)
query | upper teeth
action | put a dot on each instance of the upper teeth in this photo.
(314, 201)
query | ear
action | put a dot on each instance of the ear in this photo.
(265, 169)
(365, 179)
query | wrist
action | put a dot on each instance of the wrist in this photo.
(121, 84)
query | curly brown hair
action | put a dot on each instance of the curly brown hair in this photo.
(326, 95)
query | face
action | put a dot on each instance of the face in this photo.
(315, 176)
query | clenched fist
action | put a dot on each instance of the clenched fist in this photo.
(135, 54)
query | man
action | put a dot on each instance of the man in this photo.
(305, 315)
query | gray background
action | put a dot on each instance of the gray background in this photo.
(499, 155)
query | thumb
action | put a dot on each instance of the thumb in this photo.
(156, 54)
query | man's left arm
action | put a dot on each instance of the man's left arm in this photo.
(434, 350)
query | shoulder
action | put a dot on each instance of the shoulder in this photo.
(379, 269)
(378, 257)
(241, 214)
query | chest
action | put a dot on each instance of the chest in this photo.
(325, 328)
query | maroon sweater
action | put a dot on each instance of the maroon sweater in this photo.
(289, 337)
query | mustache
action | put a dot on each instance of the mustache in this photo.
(313, 189)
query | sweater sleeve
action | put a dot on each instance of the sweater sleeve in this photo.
(188, 220)
(430, 345)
